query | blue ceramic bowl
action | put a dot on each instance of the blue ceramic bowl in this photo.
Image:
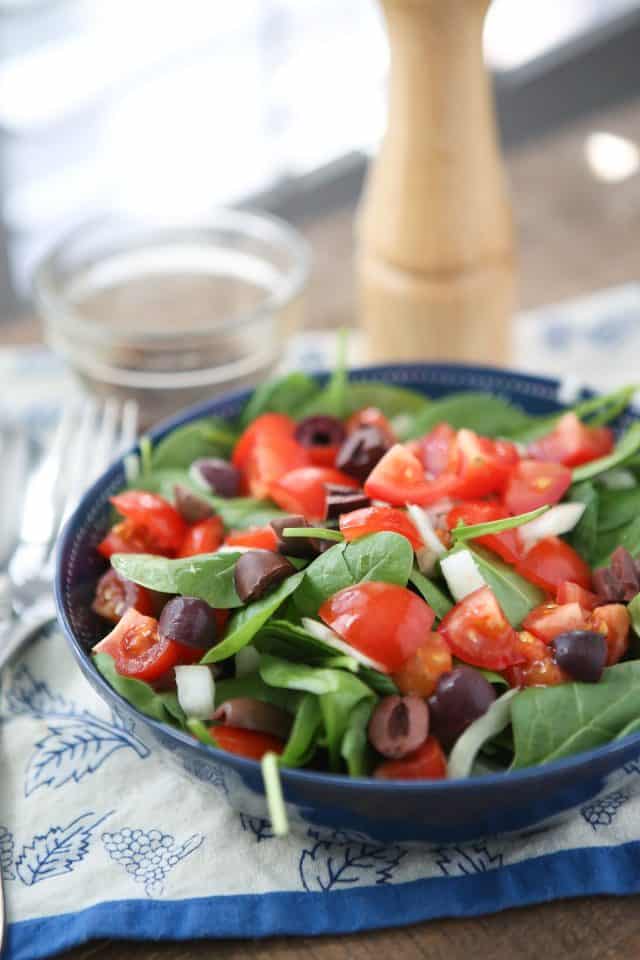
(437, 811)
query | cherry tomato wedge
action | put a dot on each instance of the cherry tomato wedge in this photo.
(371, 417)
(573, 593)
(151, 513)
(267, 424)
(139, 652)
(266, 450)
(552, 561)
(261, 538)
(203, 537)
(478, 632)
(115, 594)
(419, 674)
(572, 442)
(428, 762)
(303, 490)
(484, 465)
(539, 670)
(246, 743)
(399, 478)
(549, 619)
(613, 620)
(323, 454)
(506, 544)
(127, 537)
(385, 622)
(438, 450)
(532, 484)
(359, 523)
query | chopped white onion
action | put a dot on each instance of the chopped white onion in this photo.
(462, 574)
(468, 745)
(196, 691)
(428, 555)
(326, 635)
(247, 661)
(557, 520)
(618, 479)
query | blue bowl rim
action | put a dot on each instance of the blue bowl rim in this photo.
(296, 776)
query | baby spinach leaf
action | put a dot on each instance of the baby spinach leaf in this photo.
(584, 536)
(483, 412)
(463, 532)
(391, 400)
(435, 597)
(208, 576)
(380, 556)
(209, 437)
(617, 508)
(201, 732)
(632, 727)
(293, 642)
(246, 622)
(355, 748)
(515, 595)
(320, 533)
(633, 610)
(332, 399)
(379, 682)
(627, 537)
(160, 706)
(554, 722)
(288, 395)
(302, 739)
(626, 447)
(253, 686)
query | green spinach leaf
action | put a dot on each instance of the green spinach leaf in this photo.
(483, 412)
(627, 446)
(355, 749)
(584, 536)
(332, 399)
(627, 537)
(435, 597)
(392, 401)
(253, 686)
(617, 508)
(209, 437)
(160, 706)
(515, 595)
(302, 740)
(288, 395)
(208, 576)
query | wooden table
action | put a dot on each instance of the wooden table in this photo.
(576, 234)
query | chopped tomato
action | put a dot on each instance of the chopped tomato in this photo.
(260, 538)
(303, 490)
(539, 669)
(371, 417)
(552, 561)
(246, 743)
(115, 594)
(532, 484)
(420, 673)
(399, 479)
(385, 622)
(438, 450)
(613, 620)
(127, 537)
(550, 619)
(507, 544)
(268, 424)
(203, 537)
(266, 450)
(484, 465)
(573, 593)
(323, 454)
(428, 762)
(155, 516)
(478, 632)
(139, 652)
(572, 442)
(359, 523)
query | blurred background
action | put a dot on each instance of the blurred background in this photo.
(176, 107)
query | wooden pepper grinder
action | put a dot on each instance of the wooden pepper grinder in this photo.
(435, 242)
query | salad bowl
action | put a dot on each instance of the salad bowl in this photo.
(437, 811)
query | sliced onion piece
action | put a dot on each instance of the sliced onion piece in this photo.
(557, 520)
(469, 744)
(462, 574)
(326, 635)
(196, 691)
(428, 555)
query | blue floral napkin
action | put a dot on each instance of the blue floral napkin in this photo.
(101, 837)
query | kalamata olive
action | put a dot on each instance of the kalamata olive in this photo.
(341, 500)
(461, 696)
(217, 475)
(361, 451)
(606, 585)
(253, 714)
(190, 621)
(398, 726)
(257, 571)
(624, 570)
(320, 432)
(582, 653)
(294, 546)
(189, 505)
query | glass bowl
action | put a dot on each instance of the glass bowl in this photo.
(168, 314)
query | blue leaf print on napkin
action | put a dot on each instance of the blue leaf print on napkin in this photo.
(258, 826)
(465, 860)
(602, 812)
(632, 767)
(55, 853)
(149, 855)
(341, 859)
(26, 695)
(6, 853)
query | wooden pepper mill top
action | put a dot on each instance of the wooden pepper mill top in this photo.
(435, 252)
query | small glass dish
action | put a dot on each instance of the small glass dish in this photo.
(169, 314)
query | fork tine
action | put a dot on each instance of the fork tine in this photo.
(79, 459)
(14, 451)
(39, 511)
(129, 428)
(106, 439)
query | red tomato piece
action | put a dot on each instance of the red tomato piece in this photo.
(266, 450)
(532, 484)
(428, 762)
(127, 537)
(419, 674)
(507, 544)
(371, 417)
(139, 652)
(385, 622)
(267, 424)
(484, 465)
(539, 670)
(203, 537)
(246, 743)
(303, 490)
(154, 515)
(359, 523)
(550, 619)
(260, 538)
(115, 594)
(399, 479)
(552, 561)
(323, 454)
(572, 442)
(613, 620)
(438, 450)
(573, 593)
(478, 632)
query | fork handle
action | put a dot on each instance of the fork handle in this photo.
(15, 634)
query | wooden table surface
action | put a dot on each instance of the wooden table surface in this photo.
(576, 234)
